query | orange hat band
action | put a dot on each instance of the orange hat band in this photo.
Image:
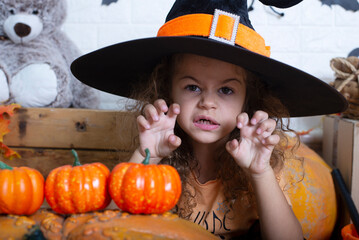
(224, 29)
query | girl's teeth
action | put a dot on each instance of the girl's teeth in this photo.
(204, 122)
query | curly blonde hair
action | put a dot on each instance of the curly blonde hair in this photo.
(235, 179)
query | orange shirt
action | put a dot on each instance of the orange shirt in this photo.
(210, 210)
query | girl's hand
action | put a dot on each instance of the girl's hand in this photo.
(156, 130)
(253, 151)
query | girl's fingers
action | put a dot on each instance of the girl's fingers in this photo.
(161, 106)
(174, 141)
(260, 125)
(259, 116)
(142, 123)
(242, 119)
(272, 140)
(174, 110)
(232, 145)
(151, 113)
(266, 127)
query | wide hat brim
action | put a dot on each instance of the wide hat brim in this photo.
(117, 69)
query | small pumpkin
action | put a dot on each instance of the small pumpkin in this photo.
(21, 190)
(145, 188)
(78, 188)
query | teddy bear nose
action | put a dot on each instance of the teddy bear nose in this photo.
(22, 30)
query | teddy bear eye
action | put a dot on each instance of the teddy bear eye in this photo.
(12, 11)
(35, 12)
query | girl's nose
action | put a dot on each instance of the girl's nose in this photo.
(208, 101)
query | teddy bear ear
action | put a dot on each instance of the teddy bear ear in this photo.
(280, 3)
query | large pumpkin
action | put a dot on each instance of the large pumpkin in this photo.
(145, 188)
(78, 188)
(21, 190)
(313, 197)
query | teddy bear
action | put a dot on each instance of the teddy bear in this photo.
(35, 57)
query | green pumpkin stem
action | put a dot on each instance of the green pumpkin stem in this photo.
(146, 161)
(77, 161)
(5, 166)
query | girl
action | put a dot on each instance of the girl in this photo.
(225, 141)
(213, 109)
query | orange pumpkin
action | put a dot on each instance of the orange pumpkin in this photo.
(313, 198)
(145, 188)
(78, 188)
(349, 233)
(21, 190)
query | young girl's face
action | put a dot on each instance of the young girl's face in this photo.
(211, 94)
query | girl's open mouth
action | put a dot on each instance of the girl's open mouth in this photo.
(205, 123)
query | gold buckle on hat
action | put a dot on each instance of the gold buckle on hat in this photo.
(216, 15)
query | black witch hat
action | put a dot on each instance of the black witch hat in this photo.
(219, 29)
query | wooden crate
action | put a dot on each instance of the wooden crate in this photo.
(44, 137)
(341, 150)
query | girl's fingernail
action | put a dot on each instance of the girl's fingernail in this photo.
(239, 125)
(259, 131)
(155, 118)
(253, 121)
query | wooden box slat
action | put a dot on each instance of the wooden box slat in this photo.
(340, 150)
(72, 128)
(45, 160)
(44, 137)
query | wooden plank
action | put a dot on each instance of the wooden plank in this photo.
(345, 150)
(355, 167)
(341, 147)
(45, 160)
(344, 161)
(72, 128)
(329, 134)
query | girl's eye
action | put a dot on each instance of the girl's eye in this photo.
(226, 90)
(193, 88)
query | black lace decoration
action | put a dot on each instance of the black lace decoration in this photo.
(251, 8)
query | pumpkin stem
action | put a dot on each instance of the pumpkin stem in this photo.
(77, 161)
(147, 159)
(5, 166)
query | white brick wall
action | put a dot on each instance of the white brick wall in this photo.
(307, 37)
